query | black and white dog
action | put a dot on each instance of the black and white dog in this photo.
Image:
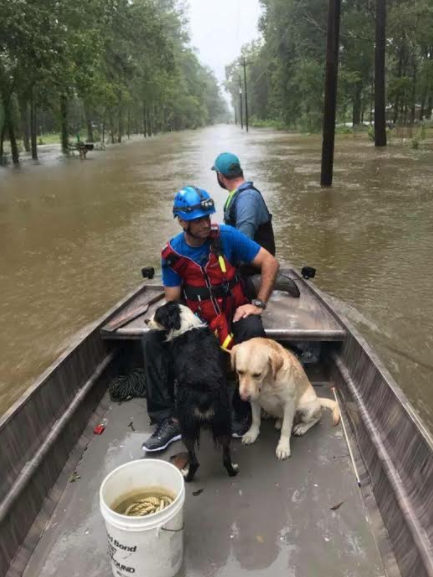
(202, 398)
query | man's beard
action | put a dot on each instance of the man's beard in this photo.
(220, 182)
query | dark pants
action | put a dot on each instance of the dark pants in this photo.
(159, 376)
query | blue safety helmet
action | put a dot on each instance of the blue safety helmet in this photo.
(192, 202)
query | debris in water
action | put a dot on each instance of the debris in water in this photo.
(74, 477)
(259, 539)
(99, 429)
(335, 507)
(131, 426)
(198, 492)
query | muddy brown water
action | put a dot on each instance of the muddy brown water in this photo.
(73, 236)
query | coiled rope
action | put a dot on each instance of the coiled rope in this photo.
(126, 387)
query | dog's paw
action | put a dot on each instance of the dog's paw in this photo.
(250, 437)
(234, 470)
(283, 451)
(278, 424)
(300, 429)
(185, 472)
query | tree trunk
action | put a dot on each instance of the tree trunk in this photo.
(405, 115)
(24, 112)
(33, 125)
(144, 121)
(429, 106)
(9, 125)
(112, 127)
(2, 140)
(89, 125)
(396, 106)
(120, 123)
(379, 108)
(149, 123)
(421, 112)
(371, 101)
(64, 134)
(414, 79)
(14, 146)
(128, 123)
(356, 113)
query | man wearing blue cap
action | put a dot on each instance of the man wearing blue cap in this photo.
(245, 208)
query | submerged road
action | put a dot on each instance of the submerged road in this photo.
(73, 236)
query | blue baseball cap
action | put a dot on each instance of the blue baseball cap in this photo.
(227, 164)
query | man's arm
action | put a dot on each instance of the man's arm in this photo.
(268, 266)
(172, 293)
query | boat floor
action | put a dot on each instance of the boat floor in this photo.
(302, 517)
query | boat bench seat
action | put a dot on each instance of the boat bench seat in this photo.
(285, 319)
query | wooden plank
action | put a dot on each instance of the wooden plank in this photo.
(118, 322)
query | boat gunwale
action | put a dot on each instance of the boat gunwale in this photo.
(40, 381)
(375, 360)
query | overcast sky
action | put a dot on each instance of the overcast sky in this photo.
(220, 27)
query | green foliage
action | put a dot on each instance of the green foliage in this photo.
(286, 68)
(122, 65)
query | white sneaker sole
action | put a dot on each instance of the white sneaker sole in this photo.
(172, 440)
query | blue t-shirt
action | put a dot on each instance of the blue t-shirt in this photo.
(236, 247)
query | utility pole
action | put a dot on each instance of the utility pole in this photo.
(332, 49)
(240, 103)
(246, 95)
(379, 75)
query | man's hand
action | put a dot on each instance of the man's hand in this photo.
(245, 311)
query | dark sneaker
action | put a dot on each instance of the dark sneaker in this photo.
(166, 433)
(240, 426)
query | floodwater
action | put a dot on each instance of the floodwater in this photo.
(74, 235)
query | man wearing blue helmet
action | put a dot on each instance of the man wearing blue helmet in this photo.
(199, 265)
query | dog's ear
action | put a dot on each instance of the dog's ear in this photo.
(233, 357)
(276, 362)
(169, 316)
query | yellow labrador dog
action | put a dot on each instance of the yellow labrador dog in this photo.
(272, 378)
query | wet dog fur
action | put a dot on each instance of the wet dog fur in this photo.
(272, 378)
(202, 398)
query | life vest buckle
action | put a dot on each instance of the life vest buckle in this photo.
(225, 289)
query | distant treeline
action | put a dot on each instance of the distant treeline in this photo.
(110, 67)
(286, 70)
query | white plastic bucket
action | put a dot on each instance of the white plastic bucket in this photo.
(150, 546)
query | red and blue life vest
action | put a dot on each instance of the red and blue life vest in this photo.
(213, 291)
